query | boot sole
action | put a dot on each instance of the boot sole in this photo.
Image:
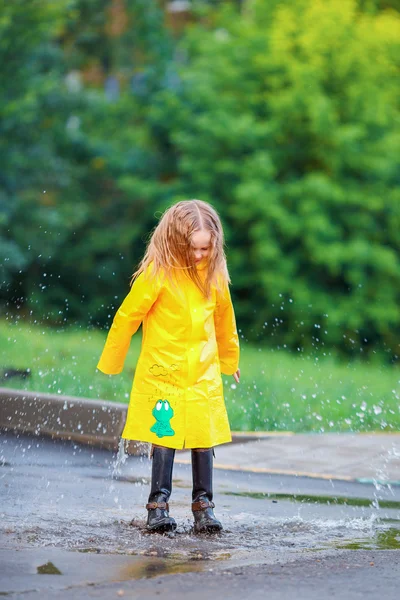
(161, 527)
(208, 529)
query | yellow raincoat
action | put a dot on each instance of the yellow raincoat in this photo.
(177, 396)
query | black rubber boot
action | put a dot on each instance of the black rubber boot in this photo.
(158, 518)
(202, 504)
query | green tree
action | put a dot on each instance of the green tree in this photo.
(29, 100)
(283, 114)
(74, 160)
(288, 121)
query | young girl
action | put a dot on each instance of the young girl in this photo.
(180, 293)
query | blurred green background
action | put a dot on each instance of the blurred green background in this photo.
(284, 114)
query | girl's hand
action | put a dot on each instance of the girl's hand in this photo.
(236, 376)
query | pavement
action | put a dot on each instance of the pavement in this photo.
(366, 457)
(304, 515)
(72, 526)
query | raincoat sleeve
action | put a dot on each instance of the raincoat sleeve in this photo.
(226, 333)
(138, 302)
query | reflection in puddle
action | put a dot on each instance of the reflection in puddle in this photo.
(382, 540)
(123, 479)
(340, 500)
(169, 563)
(155, 566)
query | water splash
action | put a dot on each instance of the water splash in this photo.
(120, 460)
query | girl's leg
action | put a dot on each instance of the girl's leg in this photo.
(158, 518)
(202, 495)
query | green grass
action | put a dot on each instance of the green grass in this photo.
(278, 390)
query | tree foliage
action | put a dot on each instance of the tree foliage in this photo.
(284, 115)
(290, 124)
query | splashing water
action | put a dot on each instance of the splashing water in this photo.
(117, 465)
(120, 460)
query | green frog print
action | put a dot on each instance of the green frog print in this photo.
(163, 413)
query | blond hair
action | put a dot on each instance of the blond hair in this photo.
(169, 249)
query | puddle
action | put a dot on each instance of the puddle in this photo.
(158, 563)
(382, 540)
(123, 479)
(328, 500)
(389, 520)
(248, 538)
(157, 566)
(247, 535)
(48, 569)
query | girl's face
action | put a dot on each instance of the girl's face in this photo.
(201, 244)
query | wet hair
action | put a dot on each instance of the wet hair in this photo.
(170, 250)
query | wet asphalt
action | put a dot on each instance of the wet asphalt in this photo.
(73, 526)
